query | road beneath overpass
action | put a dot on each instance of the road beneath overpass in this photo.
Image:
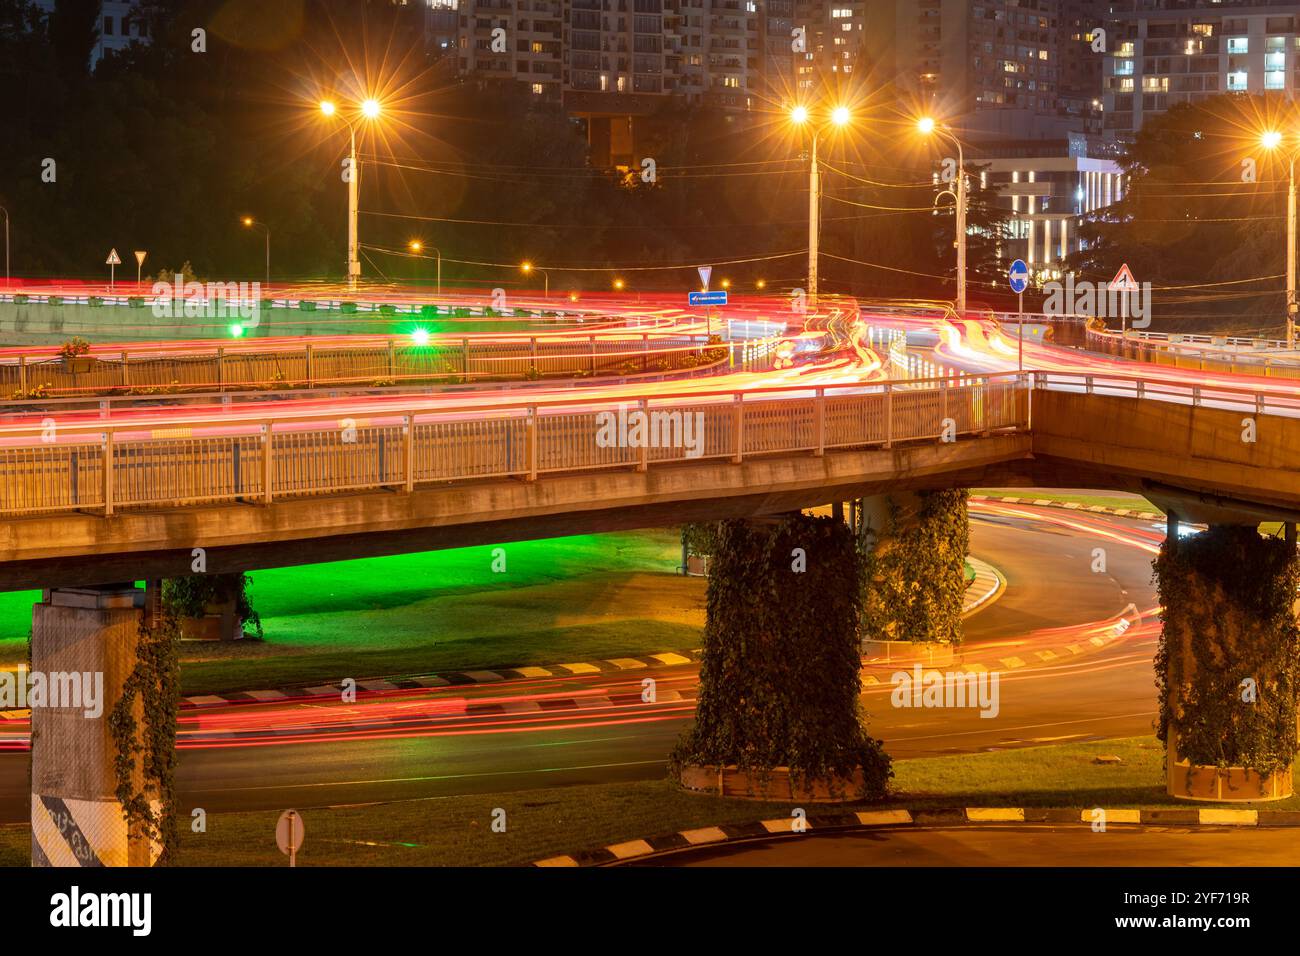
(529, 733)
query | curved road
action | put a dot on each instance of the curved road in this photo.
(552, 731)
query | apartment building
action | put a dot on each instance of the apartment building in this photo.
(1166, 52)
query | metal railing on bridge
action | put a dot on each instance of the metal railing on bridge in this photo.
(245, 457)
(154, 369)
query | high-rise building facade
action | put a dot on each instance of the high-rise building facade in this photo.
(996, 68)
(1165, 52)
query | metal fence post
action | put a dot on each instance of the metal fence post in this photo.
(108, 472)
(820, 413)
(267, 445)
(409, 436)
(531, 442)
(889, 415)
(643, 453)
(738, 426)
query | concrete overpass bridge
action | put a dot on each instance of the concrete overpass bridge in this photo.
(130, 493)
(130, 498)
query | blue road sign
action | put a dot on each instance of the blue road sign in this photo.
(1018, 274)
(709, 298)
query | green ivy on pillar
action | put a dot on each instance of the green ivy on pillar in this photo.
(779, 680)
(1230, 649)
(914, 582)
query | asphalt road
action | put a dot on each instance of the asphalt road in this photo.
(1018, 845)
(546, 732)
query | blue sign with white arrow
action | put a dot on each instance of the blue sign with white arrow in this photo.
(1018, 275)
(708, 298)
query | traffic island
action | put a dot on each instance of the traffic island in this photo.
(778, 712)
(1228, 666)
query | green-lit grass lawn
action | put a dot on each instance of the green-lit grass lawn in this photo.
(456, 831)
(566, 599)
(1114, 499)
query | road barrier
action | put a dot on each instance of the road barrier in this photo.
(151, 369)
(1236, 356)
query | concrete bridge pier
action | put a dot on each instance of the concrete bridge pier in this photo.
(914, 545)
(1229, 709)
(85, 643)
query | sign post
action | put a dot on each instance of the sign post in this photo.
(1126, 284)
(1018, 276)
(113, 261)
(288, 835)
(706, 273)
(707, 298)
(139, 264)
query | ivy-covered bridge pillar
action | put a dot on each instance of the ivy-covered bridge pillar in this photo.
(1228, 666)
(779, 712)
(913, 546)
(103, 727)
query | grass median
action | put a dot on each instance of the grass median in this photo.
(530, 602)
(457, 831)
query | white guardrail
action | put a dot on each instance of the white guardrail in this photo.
(399, 444)
(180, 461)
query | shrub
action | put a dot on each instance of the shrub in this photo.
(73, 348)
(191, 596)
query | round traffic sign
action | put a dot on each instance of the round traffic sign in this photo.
(1018, 275)
(289, 832)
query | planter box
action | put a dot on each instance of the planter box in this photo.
(1227, 784)
(777, 784)
(80, 364)
(218, 624)
(697, 565)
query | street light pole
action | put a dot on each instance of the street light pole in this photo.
(961, 198)
(6, 212)
(1290, 258)
(814, 219)
(354, 199)
(250, 222)
(961, 230)
(370, 109)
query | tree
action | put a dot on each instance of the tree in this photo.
(74, 31)
(1202, 217)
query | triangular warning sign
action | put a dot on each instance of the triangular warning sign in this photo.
(705, 273)
(113, 258)
(1124, 281)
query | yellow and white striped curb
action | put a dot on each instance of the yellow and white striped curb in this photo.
(995, 814)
